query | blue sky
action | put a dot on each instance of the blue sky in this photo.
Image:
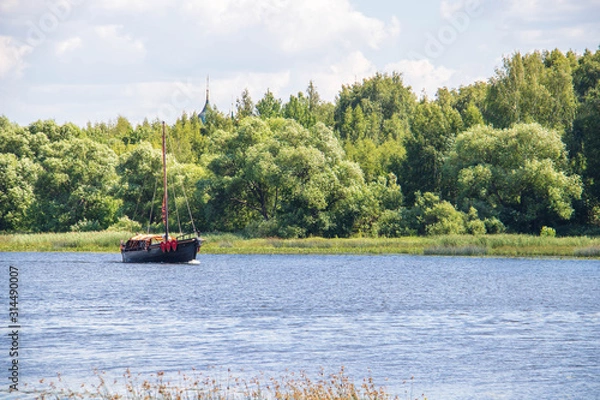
(83, 60)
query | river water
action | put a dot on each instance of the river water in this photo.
(445, 327)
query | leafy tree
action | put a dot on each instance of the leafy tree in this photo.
(17, 180)
(75, 185)
(471, 95)
(269, 106)
(379, 99)
(581, 141)
(14, 139)
(308, 108)
(586, 74)
(559, 83)
(322, 111)
(376, 161)
(55, 132)
(244, 106)
(185, 139)
(532, 88)
(585, 150)
(433, 132)
(519, 175)
(432, 216)
(140, 183)
(298, 108)
(277, 174)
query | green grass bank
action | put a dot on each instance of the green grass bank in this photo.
(510, 245)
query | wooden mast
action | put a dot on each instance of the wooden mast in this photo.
(166, 194)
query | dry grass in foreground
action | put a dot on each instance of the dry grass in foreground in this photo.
(199, 387)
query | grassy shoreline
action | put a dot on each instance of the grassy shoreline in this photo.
(505, 245)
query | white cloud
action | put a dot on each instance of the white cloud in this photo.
(68, 45)
(536, 24)
(122, 47)
(450, 8)
(8, 5)
(422, 75)
(294, 26)
(536, 10)
(12, 57)
(329, 78)
(314, 23)
(132, 5)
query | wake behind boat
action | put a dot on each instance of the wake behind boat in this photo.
(151, 248)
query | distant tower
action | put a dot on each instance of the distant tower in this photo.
(202, 114)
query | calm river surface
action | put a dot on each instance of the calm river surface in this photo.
(464, 328)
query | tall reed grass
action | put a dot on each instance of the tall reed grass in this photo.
(291, 386)
(104, 241)
(511, 245)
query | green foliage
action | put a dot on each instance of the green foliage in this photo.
(437, 217)
(275, 177)
(434, 127)
(587, 73)
(547, 232)
(585, 143)
(185, 139)
(379, 108)
(140, 176)
(75, 185)
(244, 106)
(333, 169)
(533, 88)
(17, 192)
(124, 224)
(298, 109)
(268, 106)
(519, 175)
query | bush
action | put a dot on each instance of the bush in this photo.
(390, 224)
(124, 224)
(494, 225)
(476, 227)
(547, 232)
(444, 219)
(86, 226)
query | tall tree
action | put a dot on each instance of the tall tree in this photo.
(298, 108)
(279, 176)
(433, 133)
(532, 88)
(268, 106)
(519, 175)
(75, 186)
(244, 106)
(17, 184)
(381, 98)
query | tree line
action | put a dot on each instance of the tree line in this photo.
(518, 153)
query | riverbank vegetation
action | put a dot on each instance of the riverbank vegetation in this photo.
(509, 245)
(516, 154)
(290, 386)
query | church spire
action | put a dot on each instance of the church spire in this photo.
(202, 114)
(207, 89)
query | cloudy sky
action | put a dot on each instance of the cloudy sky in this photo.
(93, 60)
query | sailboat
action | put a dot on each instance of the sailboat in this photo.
(149, 248)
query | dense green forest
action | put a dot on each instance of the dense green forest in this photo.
(518, 153)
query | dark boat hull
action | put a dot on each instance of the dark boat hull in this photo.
(186, 251)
